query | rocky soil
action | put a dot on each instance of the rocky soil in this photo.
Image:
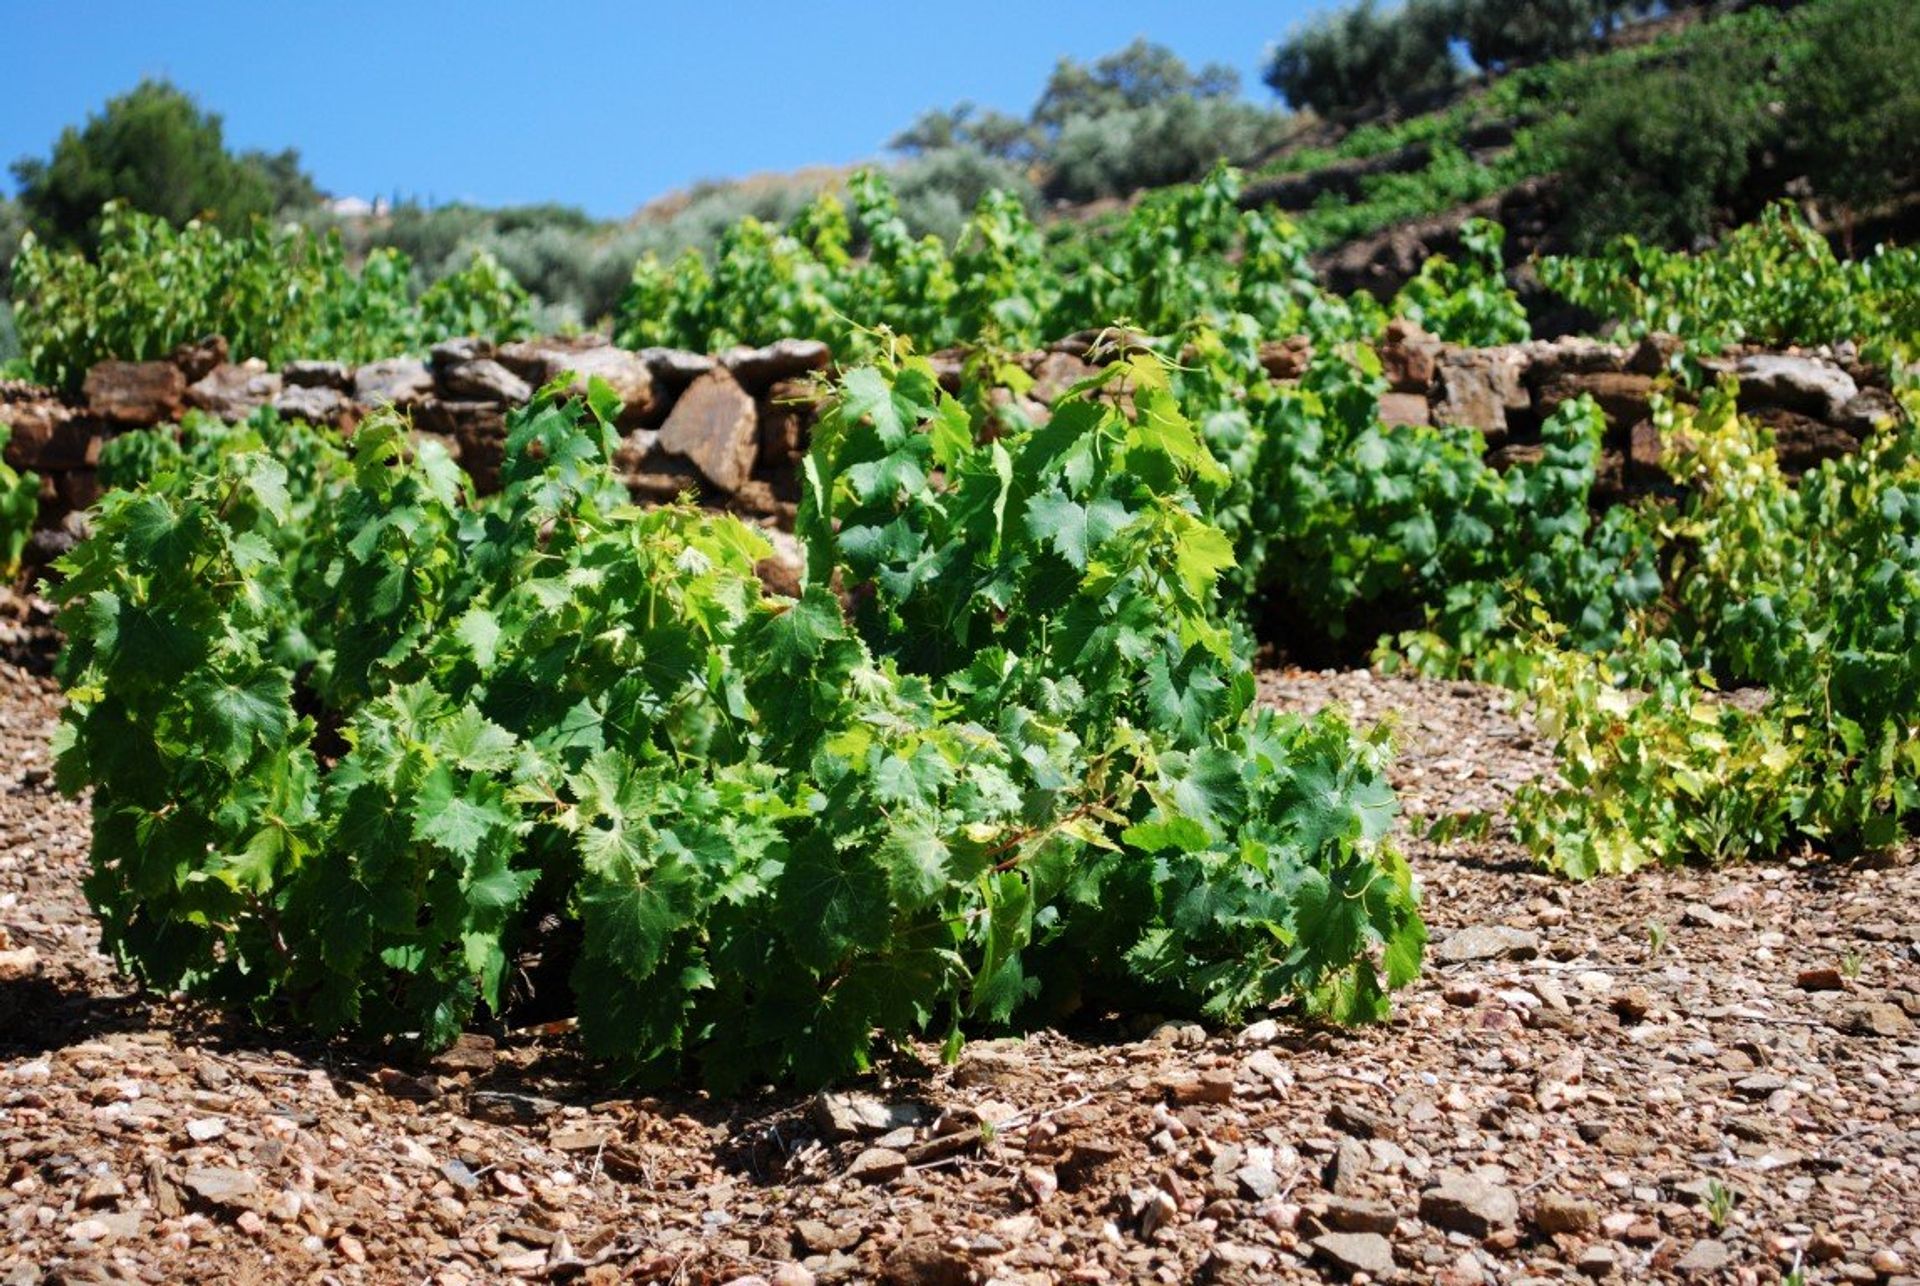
(1704, 1076)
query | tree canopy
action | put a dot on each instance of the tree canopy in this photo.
(158, 150)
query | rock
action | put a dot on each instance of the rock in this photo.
(135, 393)
(482, 380)
(221, 1186)
(18, 963)
(205, 1129)
(1286, 359)
(787, 412)
(541, 362)
(1597, 1261)
(1556, 1212)
(1232, 1259)
(471, 1053)
(1262, 1032)
(315, 405)
(924, 1261)
(715, 426)
(397, 381)
(791, 1275)
(1704, 1257)
(1632, 1004)
(1355, 1252)
(1477, 387)
(318, 374)
(197, 358)
(1808, 385)
(1404, 408)
(1622, 397)
(1656, 354)
(1887, 1262)
(1868, 410)
(1087, 1159)
(1701, 916)
(48, 435)
(848, 1116)
(877, 1165)
(1463, 1203)
(1872, 1018)
(234, 392)
(1359, 1214)
(1358, 1121)
(504, 1108)
(1407, 355)
(1256, 1181)
(1054, 374)
(1488, 942)
(1212, 1086)
(754, 369)
(1347, 1173)
(674, 367)
(1824, 978)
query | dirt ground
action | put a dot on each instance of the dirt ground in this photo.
(1690, 1075)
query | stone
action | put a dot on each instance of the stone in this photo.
(315, 405)
(135, 393)
(787, 412)
(1358, 1121)
(1597, 1261)
(1623, 397)
(1355, 1252)
(850, 1115)
(1477, 387)
(318, 374)
(715, 426)
(233, 393)
(1286, 359)
(47, 435)
(483, 380)
(1054, 374)
(1463, 1203)
(1404, 408)
(450, 353)
(1488, 942)
(675, 367)
(221, 1186)
(1805, 384)
(1557, 1212)
(397, 381)
(1360, 1214)
(1872, 1018)
(541, 362)
(1822, 978)
(1256, 1182)
(1347, 1173)
(756, 369)
(1407, 356)
(877, 1165)
(197, 358)
(1656, 354)
(1704, 1257)
(503, 1107)
(1868, 410)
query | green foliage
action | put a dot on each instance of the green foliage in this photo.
(274, 294)
(1466, 302)
(352, 739)
(19, 504)
(1182, 257)
(1805, 595)
(1775, 281)
(1358, 60)
(156, 150)
(1853, 122)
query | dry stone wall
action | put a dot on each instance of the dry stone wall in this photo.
(731, 427)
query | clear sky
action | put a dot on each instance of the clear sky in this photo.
(601, 105)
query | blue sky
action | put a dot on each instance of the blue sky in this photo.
(600, 105)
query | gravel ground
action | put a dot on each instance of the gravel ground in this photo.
(1694, 1075)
